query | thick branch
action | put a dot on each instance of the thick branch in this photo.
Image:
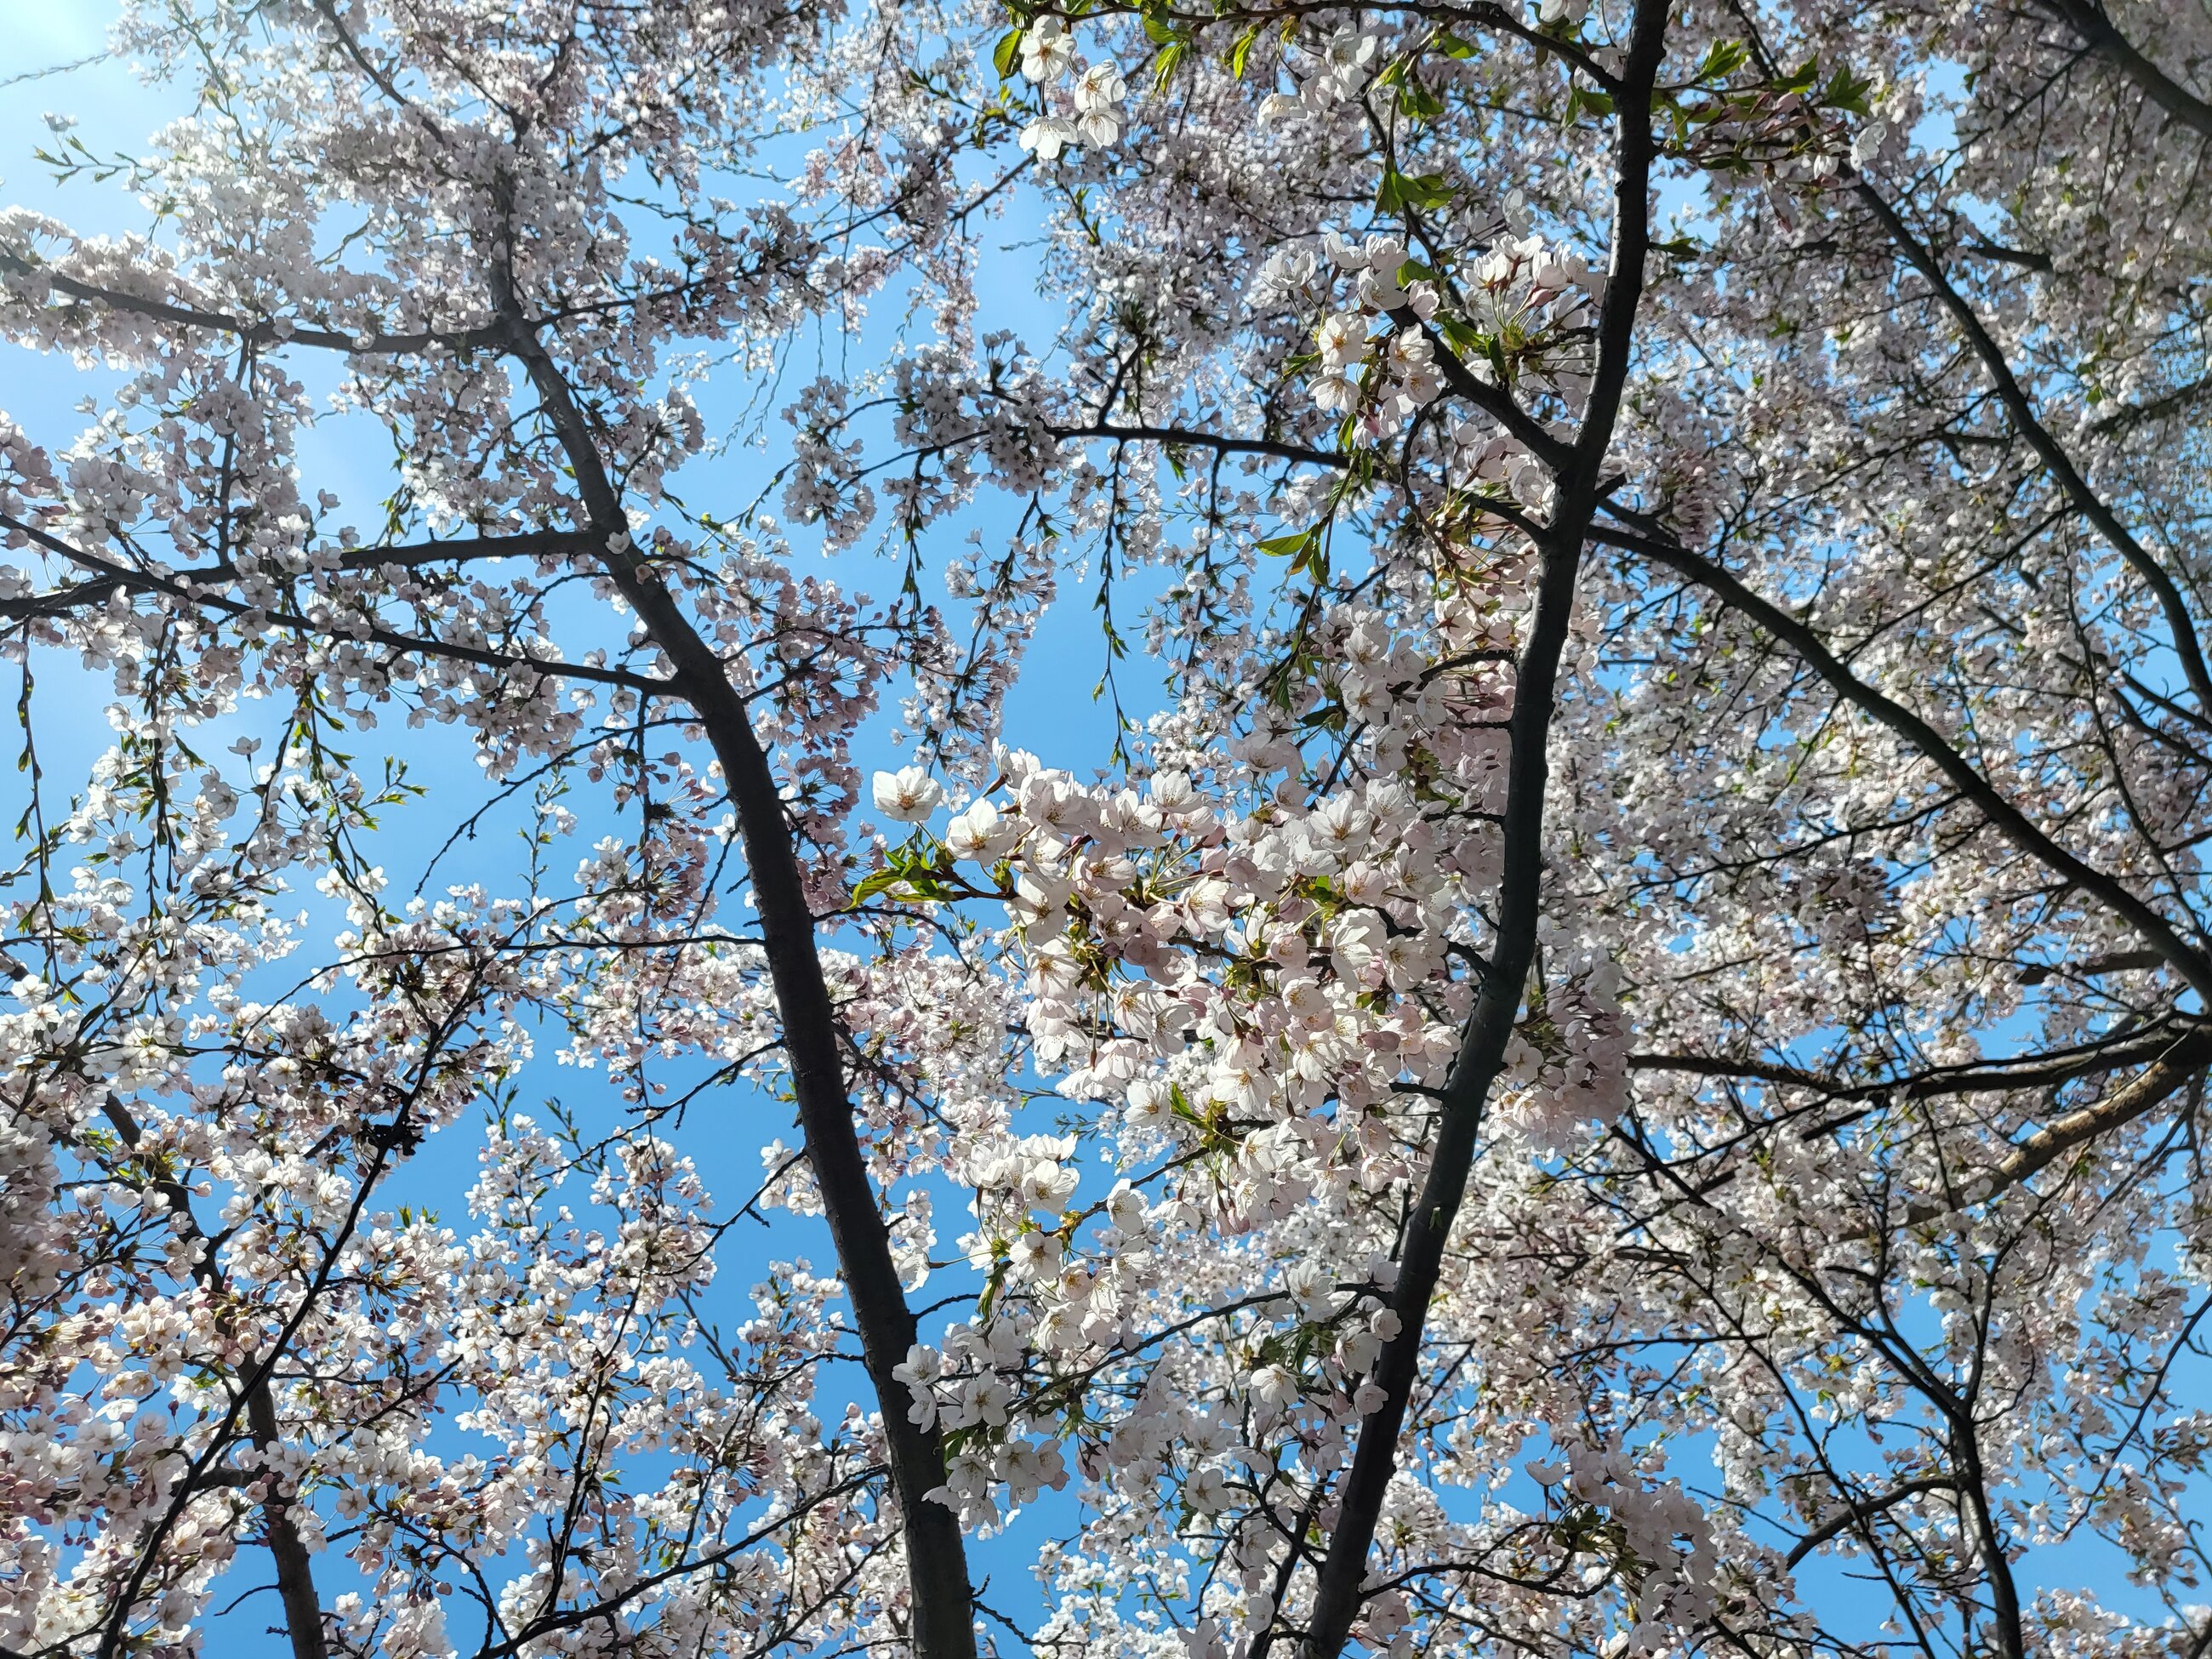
(2021, 1072)
(408, 556)
(936, 1558)
(120, 578)
(1490, 1025)
(1174, 437)
(2097, 32)
(295, 1573)
(264, 332)
(2169, 1061)
(1858, 1514)
(2184, 1057)
(569, 1617)
(1495, 401)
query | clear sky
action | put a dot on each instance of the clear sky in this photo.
(1053, 713)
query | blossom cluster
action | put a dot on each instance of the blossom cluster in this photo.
(1088, 112)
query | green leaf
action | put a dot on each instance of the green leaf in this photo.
(1416, 102)
(1586, 98)
(1723, 57)
(1009, 52)
(1845, 91)
(1398, 192)
(1277, 546)
(1452, 46)
(1462, 336)
(1243, 49)
(1165, 65)
(911, 868)
(1426, 189)
(875, 885)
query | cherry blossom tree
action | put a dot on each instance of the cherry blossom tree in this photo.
(1615, 1066)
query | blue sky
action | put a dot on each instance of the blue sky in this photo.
(1053, 712)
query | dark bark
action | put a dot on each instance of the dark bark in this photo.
(2014, 825)
(1341, 1586)
(942, 1625)
(295, 1573)
(2097, 33)
(1861, 1515)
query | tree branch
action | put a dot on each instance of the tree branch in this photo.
(2097, 33)
(2184, 1057)
(264, 332)
(936, 1557)
(1343, 1573)
(2001, 814)
(295, 1573)
(117, 578)
(1172, 437)
(1865, 1509)
(2086, 502)
(2021, 1072)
